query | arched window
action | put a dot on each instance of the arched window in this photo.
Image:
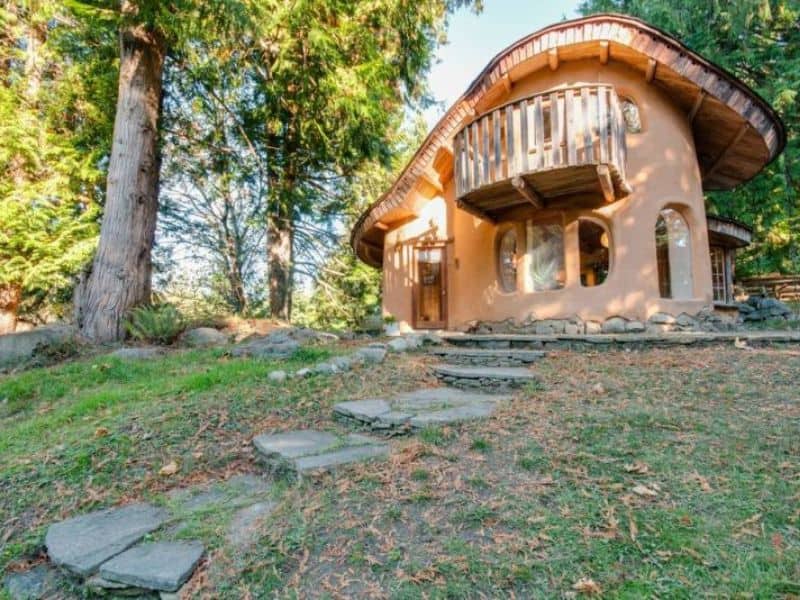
(593, 241)
(507, 260)
(674, 255)
(546, 264)
(630, 113)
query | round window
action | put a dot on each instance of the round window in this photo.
(507, 260)
(630, 112)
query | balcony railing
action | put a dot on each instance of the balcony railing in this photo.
(549, 146)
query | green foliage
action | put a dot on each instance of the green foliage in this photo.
(758, 41)
(53, 128)
(157, 324)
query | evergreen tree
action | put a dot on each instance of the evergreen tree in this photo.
(52, 141)
(759, 42)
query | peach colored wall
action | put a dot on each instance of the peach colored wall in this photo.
(663, 171)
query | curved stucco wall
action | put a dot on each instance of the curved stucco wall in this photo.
(662, 170)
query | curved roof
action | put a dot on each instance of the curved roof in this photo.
(736, 131)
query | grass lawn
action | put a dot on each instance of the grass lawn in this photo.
(669, 473)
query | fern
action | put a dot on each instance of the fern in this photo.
(155, 324)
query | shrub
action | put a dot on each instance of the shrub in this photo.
(155, 324)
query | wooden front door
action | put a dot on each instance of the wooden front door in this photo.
(430, 289)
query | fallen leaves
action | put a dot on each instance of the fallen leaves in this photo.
(587, 586)
(637, 468)
(101, 432)
(704, 484)
(169, 469)
(645, 491)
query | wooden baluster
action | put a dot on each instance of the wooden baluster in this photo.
(602, 119)
(538, 130)
(510, 141)
(523, 133)
(569, 109)
(498, 147)
(476, 152)
(555, 126)
(485, 155)
(587, 127)
(457, 162)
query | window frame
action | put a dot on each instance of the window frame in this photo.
(668, 277)
(607, 230)
(502, 232)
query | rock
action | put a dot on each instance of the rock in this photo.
(104, 586)
(239, 490)
(274, 345)
(745, 308)
(414, 341)
(661, 318)
(614, 325)
(204, 337)
(243, 530)
(635, 327)
(362, 410)
(309, 450)
(433, 339)
(21, 346)
(83, 543)
(326, 368)
(573, 328)
(305, 372)
(685, 320)
(372, 355)
(137, 353)
(342, 363)
(344, 456)
(293, 444)
(37, 583)
(277, 376)
(593, 327)
(398, 345)
(161, 566)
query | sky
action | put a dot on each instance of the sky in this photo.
(475, 39)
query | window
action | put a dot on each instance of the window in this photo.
(719, 274)
(593, 240)
(545, 257)
(674, 255)
(507, 260)
(630, 113)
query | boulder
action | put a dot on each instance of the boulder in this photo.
(398, 345)
(204, 337)
(277, 376)
(19, 347)
(39, 582)
(342, 363)
(274, 345)
(661, 318)
(614, 325)
(372, 355)
(137, 352)
(686, 321)
(634, 327)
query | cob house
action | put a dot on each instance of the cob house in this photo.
(563, 192)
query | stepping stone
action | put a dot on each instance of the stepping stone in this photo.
(487, 357)
(363, 410)
(420, 408)
(162, 566)
(41, 581)
(308, 450)
(83, 543)
(486, 378)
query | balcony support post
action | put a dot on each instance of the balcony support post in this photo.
(604, 176)
(604, 52)
(650, 74)
(552, 58)
(527, 192)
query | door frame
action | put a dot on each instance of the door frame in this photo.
(415, 300)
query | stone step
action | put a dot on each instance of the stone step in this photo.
(490, 379)
(487, 357)
(418, 409)
(302, 451)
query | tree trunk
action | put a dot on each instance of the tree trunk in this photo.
(120, 276)
(10, 297)
(280, 238)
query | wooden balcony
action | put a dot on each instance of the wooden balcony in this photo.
(562, 148)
